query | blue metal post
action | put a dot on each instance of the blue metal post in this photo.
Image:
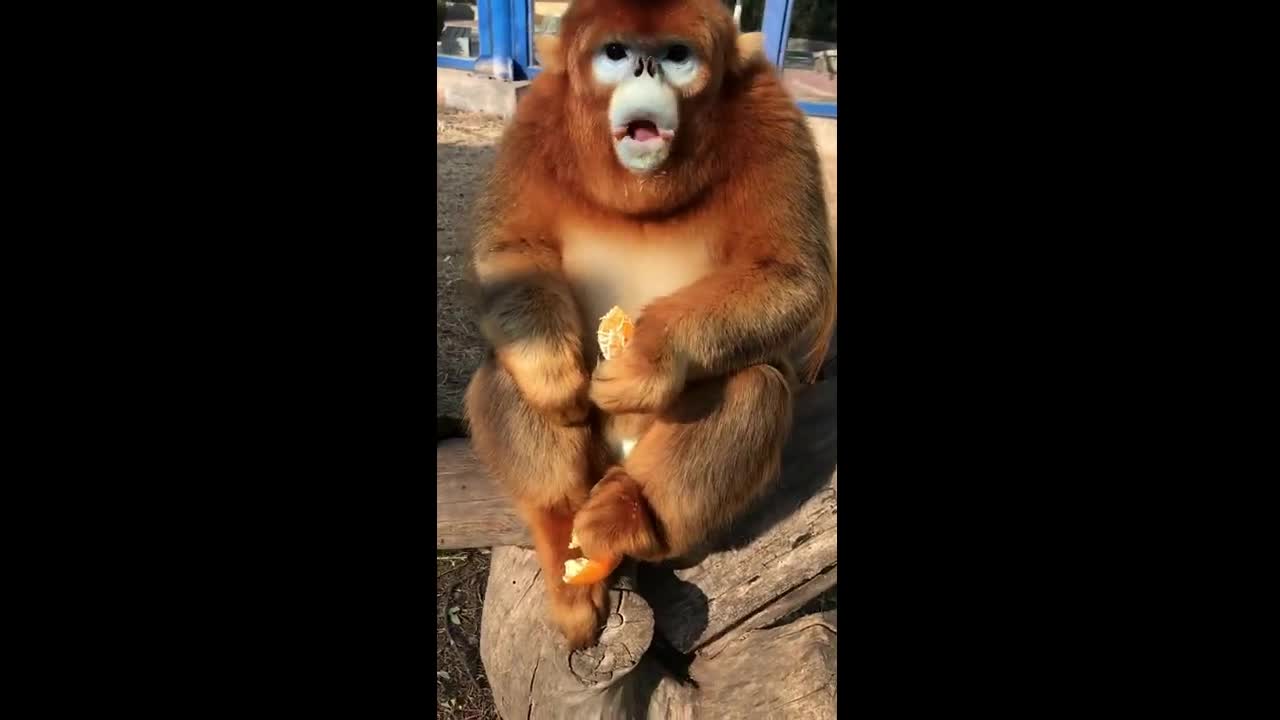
(776, 26)
(521, 37)
(495, 39)
(486, 38)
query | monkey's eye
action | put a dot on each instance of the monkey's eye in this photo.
(681, 66)
(611, 64)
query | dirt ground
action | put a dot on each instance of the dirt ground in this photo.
(465, 146)
(462, 689)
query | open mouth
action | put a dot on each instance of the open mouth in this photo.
(642, 131)
(642, 138)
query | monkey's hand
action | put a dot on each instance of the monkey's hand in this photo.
(638, 380)
(616, 520)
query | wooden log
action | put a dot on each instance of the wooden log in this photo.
(797, 681)
(471, 510)
(772, 612)
(533, 675)
(628, 632)
(532, 672)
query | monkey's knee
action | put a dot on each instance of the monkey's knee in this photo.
(751, 415)
(763, 387)
(532, 457)
(753, 426)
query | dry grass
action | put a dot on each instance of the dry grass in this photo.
(465, 144)
(462, 688)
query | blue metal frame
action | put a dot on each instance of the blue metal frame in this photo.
(775, 26)
(817, 109)
(495, 39)
(521, 37)
(506, 47)
(531, 69)
(484, 15)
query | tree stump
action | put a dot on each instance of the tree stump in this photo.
(684, 640)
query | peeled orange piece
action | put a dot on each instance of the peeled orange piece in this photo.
(614, 333)
(585, 571)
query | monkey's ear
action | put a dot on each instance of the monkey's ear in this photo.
(750, 49)
(550, 53)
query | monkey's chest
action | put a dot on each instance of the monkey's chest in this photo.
(629, 270)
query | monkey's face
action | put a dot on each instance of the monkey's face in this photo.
(643, 73)
(647, 80)
(634, 93)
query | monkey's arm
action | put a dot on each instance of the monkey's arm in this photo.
(778, 279)
(527, 312)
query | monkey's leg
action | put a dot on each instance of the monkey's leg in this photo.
(697, 468)
(545, 467)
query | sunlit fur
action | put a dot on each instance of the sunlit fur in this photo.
(723, 258)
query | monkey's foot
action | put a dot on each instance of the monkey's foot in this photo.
(627, 634)
(578, 611)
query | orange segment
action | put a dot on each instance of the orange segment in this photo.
(584, 571)
(614, 333)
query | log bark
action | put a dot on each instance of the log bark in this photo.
(797, 681)
(531, 672)
(533, 675)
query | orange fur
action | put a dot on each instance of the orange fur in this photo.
(750, 49)
(721, 256)
(550, 55)
(697, 468)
